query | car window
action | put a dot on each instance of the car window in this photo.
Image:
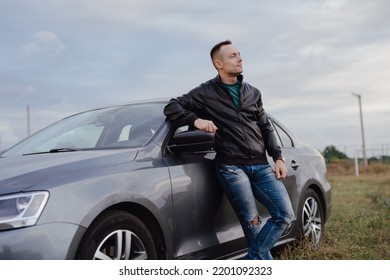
(130, 125)
(125, 133)
(81, 137)
(284, 140)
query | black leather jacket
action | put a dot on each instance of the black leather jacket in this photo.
(244, 134)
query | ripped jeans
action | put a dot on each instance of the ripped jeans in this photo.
(243, 184)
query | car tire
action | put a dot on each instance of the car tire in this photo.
(311, 222)
(117, 235)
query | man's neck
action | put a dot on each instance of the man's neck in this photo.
(227, 79)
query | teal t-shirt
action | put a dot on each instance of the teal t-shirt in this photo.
(234, 90)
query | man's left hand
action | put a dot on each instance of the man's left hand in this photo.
(280, 169)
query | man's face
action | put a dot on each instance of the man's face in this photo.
(229, 61)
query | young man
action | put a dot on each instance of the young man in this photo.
(233, 110)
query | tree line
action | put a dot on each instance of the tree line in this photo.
(330, 154)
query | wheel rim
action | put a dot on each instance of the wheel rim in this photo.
(121, 245)
(311, 221)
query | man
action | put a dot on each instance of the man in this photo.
(233, 110)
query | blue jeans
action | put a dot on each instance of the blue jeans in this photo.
(243, 184)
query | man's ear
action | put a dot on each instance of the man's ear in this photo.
(218, 63)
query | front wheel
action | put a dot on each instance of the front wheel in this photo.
(117, 235)
(311, 220)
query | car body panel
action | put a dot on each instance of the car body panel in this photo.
(18, 173)
(54, 241)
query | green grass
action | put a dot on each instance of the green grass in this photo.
(359, 225)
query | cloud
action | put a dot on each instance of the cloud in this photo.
(7, 135)
(46, 42)
(3, 127)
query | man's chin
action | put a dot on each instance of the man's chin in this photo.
(235, 74)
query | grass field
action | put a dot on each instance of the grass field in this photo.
(359, 225)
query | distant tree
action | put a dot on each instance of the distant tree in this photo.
(385, 159)
(381, 159)
(331, 153)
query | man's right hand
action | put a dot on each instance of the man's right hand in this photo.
(205, 125)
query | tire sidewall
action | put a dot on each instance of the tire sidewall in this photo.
(309, 193)
(106, 224)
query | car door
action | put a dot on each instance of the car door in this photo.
(293, 160)
(205, 224)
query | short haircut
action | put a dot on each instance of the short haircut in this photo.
(217, 47)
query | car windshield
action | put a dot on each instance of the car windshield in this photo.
(124, 126)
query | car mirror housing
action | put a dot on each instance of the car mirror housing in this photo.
(191, 141)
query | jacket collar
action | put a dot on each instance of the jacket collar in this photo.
(240, 78)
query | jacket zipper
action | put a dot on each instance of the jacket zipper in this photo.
(238, 110)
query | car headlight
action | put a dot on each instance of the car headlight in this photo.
(21, 210)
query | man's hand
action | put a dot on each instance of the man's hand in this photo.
(205, 125)
(280, 169)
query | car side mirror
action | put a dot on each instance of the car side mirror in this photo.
(191, 141)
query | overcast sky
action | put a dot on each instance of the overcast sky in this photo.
(60, 57)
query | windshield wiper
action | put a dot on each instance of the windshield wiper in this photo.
(56, 150)
(59, 150)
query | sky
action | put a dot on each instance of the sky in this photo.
(307, 57)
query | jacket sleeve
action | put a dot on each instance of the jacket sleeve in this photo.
(185, 108)
(268, 133)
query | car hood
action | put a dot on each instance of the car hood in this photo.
(18, 173)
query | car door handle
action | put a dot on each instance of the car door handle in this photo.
(294, 165)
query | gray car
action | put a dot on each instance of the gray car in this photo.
(122, 182)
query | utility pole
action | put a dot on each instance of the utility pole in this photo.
(365, 162)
